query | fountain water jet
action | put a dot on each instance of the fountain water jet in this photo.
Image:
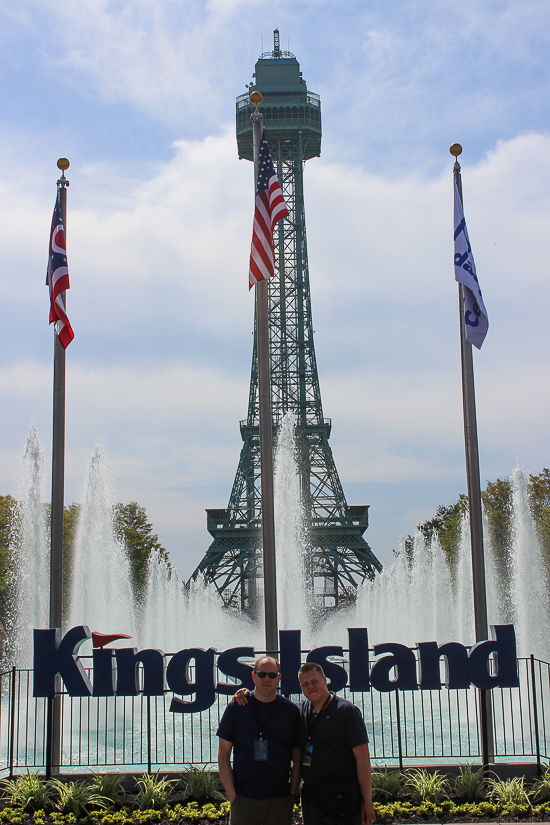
(174, 617)
(31, 555)
(101, 593)
(290, 539)
(430, 604)
(529, 577)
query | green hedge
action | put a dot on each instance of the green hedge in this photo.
(399, 811)
(191, 812)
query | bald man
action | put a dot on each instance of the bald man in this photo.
(264, 737)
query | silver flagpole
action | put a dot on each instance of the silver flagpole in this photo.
(474, 499)
(266, 426)
(53, 752)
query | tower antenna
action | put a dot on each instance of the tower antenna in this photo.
(276, 44)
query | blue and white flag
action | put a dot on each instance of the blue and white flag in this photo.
(475, 314)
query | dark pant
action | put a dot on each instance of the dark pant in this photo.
(315, 816)
(246, 811)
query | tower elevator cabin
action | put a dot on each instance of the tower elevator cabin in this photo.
(337, 557)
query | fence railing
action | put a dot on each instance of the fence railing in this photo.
(140, 733)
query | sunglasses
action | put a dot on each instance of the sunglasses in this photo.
(261, 674)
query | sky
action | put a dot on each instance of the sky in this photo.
(140, 97)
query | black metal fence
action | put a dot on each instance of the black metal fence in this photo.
(140, 733)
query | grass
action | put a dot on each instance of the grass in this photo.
(29, 792)
(541, 787)
(508, 792)
(201, 785)
(468, 784)
(109, 785)
(153, 792)
(427, 787)
(387, 785)
(76, 798)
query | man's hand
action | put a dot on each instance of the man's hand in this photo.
(368, 816)
(241, 697)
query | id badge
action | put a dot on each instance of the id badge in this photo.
(306, 760)
(260, 750)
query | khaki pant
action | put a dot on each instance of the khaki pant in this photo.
(246, 811)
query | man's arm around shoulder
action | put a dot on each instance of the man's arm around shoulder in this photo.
(224, 767)
(362, 760)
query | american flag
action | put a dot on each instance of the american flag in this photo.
(270, 208)
(57, 278)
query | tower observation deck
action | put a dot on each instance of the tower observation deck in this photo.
(338, 557)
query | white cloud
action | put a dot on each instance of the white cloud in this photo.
(158, 249)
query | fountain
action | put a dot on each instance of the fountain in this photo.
(31, 556)
(433, 607)
(290, 539)
(101, 593)
(433, 604)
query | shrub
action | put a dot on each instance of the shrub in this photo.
(153, 792)
(108, 785)
(541, 787)
(469, 783)
(201, 785)
(29, 792)
(426, 786)
(508, 792)
(77, 797)
(387, 785)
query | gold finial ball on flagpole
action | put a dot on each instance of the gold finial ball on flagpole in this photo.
(256, 98)
(455, 150)
(63, 164)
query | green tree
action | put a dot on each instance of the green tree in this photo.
(539, 499)
(497, 505)
(136, 532)
(446, 524)
(7, 506)
(71, 514)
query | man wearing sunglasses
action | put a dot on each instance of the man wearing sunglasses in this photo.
(264, 736)
(335, 761)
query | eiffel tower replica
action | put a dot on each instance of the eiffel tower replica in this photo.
(338, 557)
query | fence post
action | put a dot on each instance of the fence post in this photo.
(149, 762)
(535, 714)
(12, 719)
(399, 743)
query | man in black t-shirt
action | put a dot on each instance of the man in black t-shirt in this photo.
(265, 740)
(335, 756)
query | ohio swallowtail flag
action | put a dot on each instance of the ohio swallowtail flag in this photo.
(57, 278)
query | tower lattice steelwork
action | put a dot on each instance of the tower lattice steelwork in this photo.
(338, 556)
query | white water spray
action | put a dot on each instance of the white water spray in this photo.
(30, 545)
(412, 600)
(101, 593)
(529, 578)
(290, 539)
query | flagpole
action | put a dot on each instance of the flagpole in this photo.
(266, 426)
(474, 498)
(53, 752)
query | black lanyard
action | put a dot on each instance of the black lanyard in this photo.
(256, 718)
(312, 718)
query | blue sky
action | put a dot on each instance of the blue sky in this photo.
(140, 97)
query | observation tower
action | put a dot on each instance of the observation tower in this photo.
(337, 556)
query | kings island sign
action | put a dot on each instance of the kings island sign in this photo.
(194, 671)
